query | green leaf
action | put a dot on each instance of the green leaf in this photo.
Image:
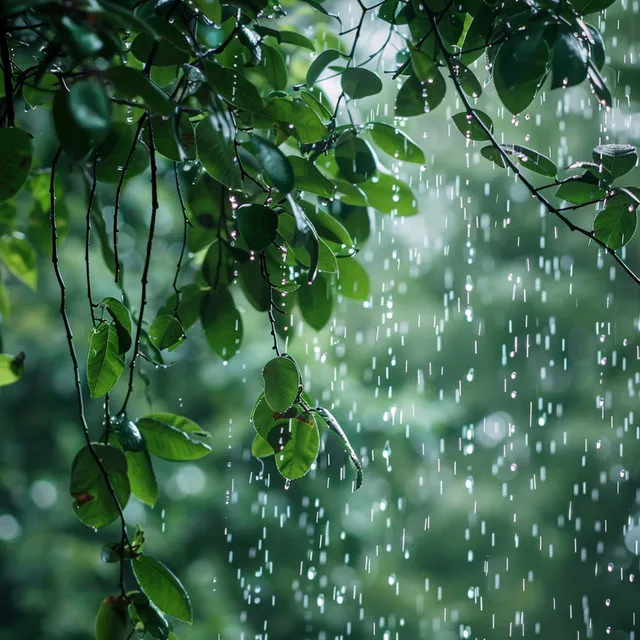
(141, 477)
(94, 504)
(263, 416)
(217, 266)
(188, 309)
(532, 160)
(105, 362)
(14, 166)
(467, 80)
(519, 69)
(308, 128)
(216, 151)
(302, 443)
(360, 83)
(591, 6)
(179, 422)
(166, 332)
(281, 383)
(221, 322)
(580, 190)
(305, 236)
(42, 93)
(333, 424)
(146, 617)
(129, 83)
(308, 178)
(329, 228)
(616, 159)
(599, 87)
(423, 64)
(112, 620)
(493, 153)
(170, 49)
(257, 225)
(20, 258)
(388, 194)
(354, 158)
(616, 224)
(353, 280)
(275, 67)
(252, 283)
(162, 587)
(115, 150)
(91, 109)
(170, 443)
(212, 9)
(233, 87)
(316, 104)
(120, 315)
(570, 60)
(468, 126)
(296, 39)
(415, 98)
(274, 163)
(316, 302)
(320, 63)
(11, 368)
(260, 448)
(395, 142)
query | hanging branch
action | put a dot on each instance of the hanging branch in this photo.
(450, 60)
(116, 210)
(272, 319)
(87, 243)
(147, 263)
(5, 58)
(76, 368)
(186, 223)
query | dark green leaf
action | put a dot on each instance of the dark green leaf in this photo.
(217, 266)
(616, 159)
(221, 322)
(105, 363)
(617, 222)
(94, 504)
(599, 87)
(302, 443)
(468, 126)
(42, 93)
(281, 382)
(147, 617)
(166, 332)
(129, 83)
(171, 48)
(253, 286)
(162, 587)
(216, 151)
(316, 302)
(14, 166)
(212, 9)
(120, 315)
(570, 58)
(19, 257)
(519, 69)
(168, 442)
(395, 142)
(274, 163)
(467, 79)
(493, 153)
(355, 159)
(257, 225)
(305, 236)
(188, 310)
(591, 6)
(308, 178)
(91, 109)
(115, 150)
(320, 63)
(360, 83)
(416, 98)
(11, 368)
(308, 127)
(75, 146)
(234, 87)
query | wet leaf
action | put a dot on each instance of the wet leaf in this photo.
(468, 126)
(142, 479)
(396, 143)
(166, 332)
(323, 60)
(281, 383)
(616, 224)
(170, 443)
(216, 152)
(316, 302)
(415, 98)
(353, 280)
(15, 161)
(273, 163)
(105, 362)
(257, 225)
(112, 621)
(302, 443)
(360, 83)
(221, 322)
(616, 159)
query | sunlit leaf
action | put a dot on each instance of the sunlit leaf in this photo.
(11, 368)
(19, 257)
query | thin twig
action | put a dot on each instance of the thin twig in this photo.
(76, 367)
(272, 319)
(186, 224)
(144, 280)
(87, 243)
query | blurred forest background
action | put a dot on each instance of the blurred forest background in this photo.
(490, 384)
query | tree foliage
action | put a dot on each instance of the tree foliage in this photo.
(275, 177)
